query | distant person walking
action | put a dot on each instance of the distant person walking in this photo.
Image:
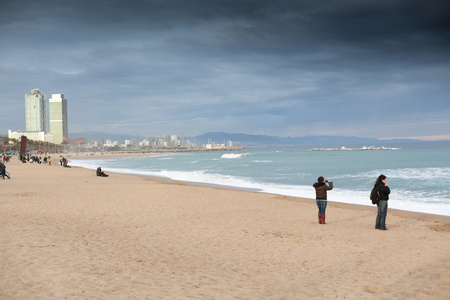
(384, 191)
(3, 170)
(321, 196)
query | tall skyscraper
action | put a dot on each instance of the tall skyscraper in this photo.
(58, 118)
(35, 111)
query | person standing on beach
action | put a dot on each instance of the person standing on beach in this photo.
(3, 170)
(384, 191)
(321, 196)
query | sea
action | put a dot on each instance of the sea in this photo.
(418, 173)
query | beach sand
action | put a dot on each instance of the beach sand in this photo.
(68, 234)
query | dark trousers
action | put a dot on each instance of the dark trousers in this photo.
(381, 216)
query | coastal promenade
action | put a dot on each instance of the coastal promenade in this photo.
(68, 234)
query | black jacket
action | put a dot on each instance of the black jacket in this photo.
(384, 191)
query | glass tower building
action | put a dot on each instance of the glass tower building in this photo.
(58, 118)
(35, 111)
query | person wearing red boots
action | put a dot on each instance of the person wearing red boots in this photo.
(321, 196)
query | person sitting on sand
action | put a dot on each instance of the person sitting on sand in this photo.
(65, 163)
(101, 173)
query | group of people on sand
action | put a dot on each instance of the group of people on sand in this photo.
(39, 160)
(5, 158)
(35, 159)
(322, 186)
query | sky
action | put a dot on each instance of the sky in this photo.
(378, 69)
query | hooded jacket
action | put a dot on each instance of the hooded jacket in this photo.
(321, 189)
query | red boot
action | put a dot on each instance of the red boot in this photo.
(323, 220)
(320, 218)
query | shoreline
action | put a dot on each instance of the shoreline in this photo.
(414, 214)
(66, 233)
(122, 155)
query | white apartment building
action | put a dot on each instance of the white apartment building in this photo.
(144, 143)
(58, 118)
(130, 142)
(174, 140)
(35, 111)
(31, 135)
(109, 143)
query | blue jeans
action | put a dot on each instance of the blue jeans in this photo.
(381, 216)
(322, 205)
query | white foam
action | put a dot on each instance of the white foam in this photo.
(405, 173)
(232, 155)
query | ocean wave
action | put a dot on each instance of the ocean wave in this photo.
(404, 173)
(232, 155)
(400, 199)
(88, 164)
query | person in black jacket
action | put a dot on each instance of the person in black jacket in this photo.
(383, 189)
(321, 196)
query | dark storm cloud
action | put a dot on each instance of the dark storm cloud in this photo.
(274, 67)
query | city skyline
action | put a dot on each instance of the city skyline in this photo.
(294, 68)
(44, 122)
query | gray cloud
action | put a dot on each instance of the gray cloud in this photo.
(294, 68)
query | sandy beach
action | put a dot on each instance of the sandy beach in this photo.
(67, 234)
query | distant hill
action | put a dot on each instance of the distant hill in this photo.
(264, 140)
(252, 140)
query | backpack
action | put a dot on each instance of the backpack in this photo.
(375, 195)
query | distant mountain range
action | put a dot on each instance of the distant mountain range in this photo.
(252, 140)
(316, 140)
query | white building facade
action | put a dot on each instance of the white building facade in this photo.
(58, 118)
(31, 135)
(35, 111)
